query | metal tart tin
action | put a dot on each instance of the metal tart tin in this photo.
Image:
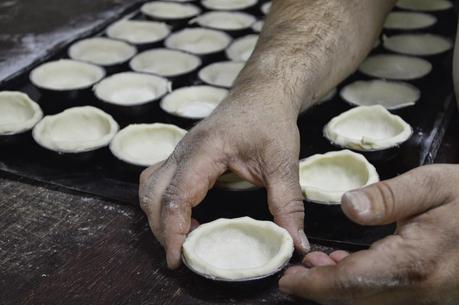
(65, 83)
(159, 61)
(188, 105)
(113, 55)
(208, 44)
(131, 96)
(18, 115)
(163, 11)
(220, 74)
(236, 24)
(67, 138)
(140, 33)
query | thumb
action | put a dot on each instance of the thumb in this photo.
(285, 201)
(407, 195)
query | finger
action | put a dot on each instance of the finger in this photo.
(294, 269)
(339, 255)
(193, 178)
(153, 182)
(361, 276)
(285, 200)
(194, 224)
(317, 259)
(399, 198)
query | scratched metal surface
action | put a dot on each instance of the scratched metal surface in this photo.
(26, 36)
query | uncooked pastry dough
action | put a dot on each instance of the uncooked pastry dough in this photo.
(232, 5)
(138, 31)
(169, 10)
(18, 113)
(195, 102)
(165, 62)
(237, 249)
(265, 8)
(367, 128)
(325, 178)
(409, 21)
(146, 144)
(66, 74)
(131, 88)
(221, 74)
(242, 48)
(231, 21)
(257, 26)
(392, 95)
(102, 51)
(198, 41)
(75, 130)
(417, 44)
(397, 67)
(425, 5)
(233, 182)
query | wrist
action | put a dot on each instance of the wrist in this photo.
(267, 98)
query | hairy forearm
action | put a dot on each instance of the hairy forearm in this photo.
(307, 47)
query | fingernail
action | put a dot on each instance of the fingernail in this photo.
(304, 241)
(172, 261)
(359, 202)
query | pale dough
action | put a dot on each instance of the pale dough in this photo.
(75, 130)
(226, 20)
(324, 178)
(170, 10)
(221, 74)
(389, 94)
(66, 74)
(165, 62)
(131, 88)
(138, 31)
(265, 8)
(18, 113)
(102, 51)
(425, 5)
(195, 102)
(228, 5)
(198, 41)
(417, 44)
(367, 128)
(397, 67)
(146, 144)
(409, 21)
(233, 182)
(242, 48)
(237, 249)
(257, 26)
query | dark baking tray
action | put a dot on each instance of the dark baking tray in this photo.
(430, 118)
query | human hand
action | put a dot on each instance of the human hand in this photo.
(419, 264)
(256, 139)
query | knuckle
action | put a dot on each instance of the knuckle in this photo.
(347, 286)
(291, 207)
(145, 202)
(279, 165)
(173, 196)
(144, 175)
(385, 196)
